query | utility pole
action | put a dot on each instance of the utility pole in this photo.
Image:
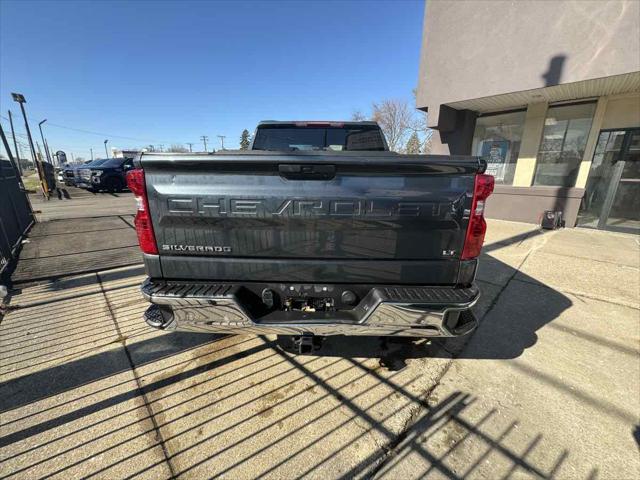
(40, 156)
(222, 137)
(11, 159)
(162, 147)
(105, 148)
(15, 144)
(91, 154)
(190, 145)
(204, 139)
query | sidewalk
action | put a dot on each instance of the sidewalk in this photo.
(548, 386)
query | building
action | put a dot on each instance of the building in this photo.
(549, 94)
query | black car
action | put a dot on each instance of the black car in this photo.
(104, 174)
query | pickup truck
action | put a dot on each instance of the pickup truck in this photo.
(316, 230)
(104, 174)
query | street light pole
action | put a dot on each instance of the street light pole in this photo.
(105, 148)
(15, 144)
(18, 97)
(43, 142)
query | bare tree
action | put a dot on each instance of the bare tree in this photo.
(176, 148)
(399, 122)
(421, 126)
(358, 116)
(396, 119)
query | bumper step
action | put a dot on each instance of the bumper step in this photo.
(386, 310)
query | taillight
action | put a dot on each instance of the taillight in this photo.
(477, 226)
(144, 229)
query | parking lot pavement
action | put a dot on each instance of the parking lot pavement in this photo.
(548, 385)
(78, 245)
(72, 202)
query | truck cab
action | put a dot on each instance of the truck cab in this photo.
(272, 135)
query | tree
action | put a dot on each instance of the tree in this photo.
(401, 124)
(421, 126)
(413, 144)
(176, 148)
(358, 116)
(245, 140)
(396, 119)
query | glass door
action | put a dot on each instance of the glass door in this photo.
(612, 196)
(622, 206)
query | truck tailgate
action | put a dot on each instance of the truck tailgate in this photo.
(310, 216)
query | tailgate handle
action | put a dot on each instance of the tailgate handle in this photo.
(304, 171)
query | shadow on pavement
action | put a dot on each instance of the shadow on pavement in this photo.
(531, 306)
(236, 407)
(73, 374)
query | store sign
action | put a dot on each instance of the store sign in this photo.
(62, 157)
(495, 153)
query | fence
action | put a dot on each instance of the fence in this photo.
(16, 216)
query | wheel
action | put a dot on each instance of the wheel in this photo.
(113, 184)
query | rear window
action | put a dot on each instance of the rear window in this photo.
(345, 138)
(96, 163)
(113, 163)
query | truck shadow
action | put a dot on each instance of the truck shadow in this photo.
(506, 328)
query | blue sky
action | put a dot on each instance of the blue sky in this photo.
(164, 72)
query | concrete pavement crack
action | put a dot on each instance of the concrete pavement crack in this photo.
(159, 439)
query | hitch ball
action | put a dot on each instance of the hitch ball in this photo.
(349, 297)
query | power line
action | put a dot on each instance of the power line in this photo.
(102, 134)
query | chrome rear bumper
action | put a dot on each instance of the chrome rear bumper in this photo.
(385, 311)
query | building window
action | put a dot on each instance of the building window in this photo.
(566, 129)
(497, 140)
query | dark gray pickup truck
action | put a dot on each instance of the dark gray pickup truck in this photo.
(317, 230)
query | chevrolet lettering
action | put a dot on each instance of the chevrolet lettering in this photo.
(219, 207)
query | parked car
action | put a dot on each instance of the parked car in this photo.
(318, 230)
(105, 174)
(70, 171)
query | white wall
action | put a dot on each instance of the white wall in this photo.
(480, 48)
(622, 113)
